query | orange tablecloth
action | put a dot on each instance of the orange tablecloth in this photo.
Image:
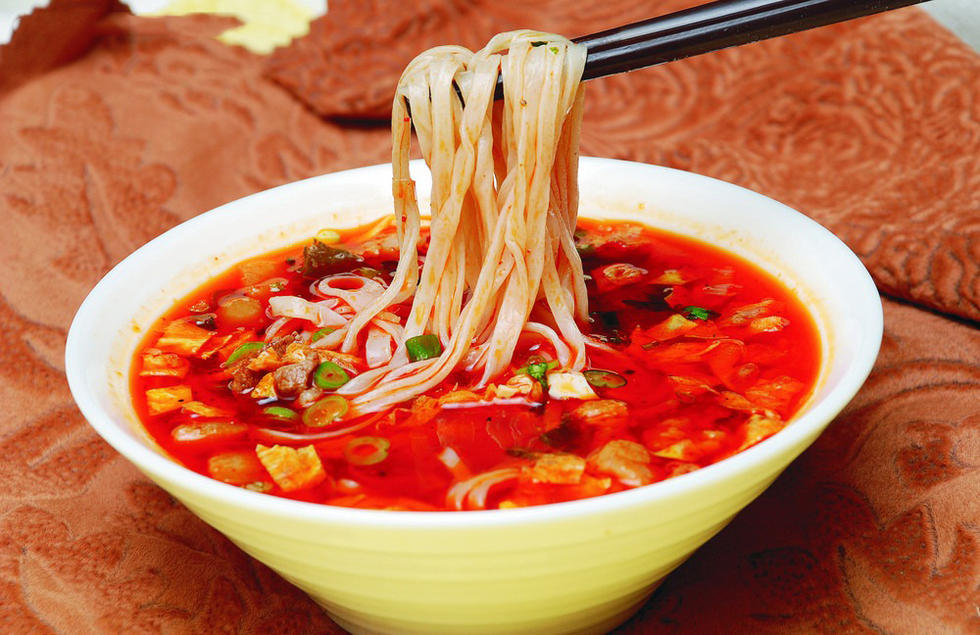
(114, 128)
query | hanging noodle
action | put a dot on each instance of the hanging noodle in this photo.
(504, 203)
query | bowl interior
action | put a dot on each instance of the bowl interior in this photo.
(807, 258)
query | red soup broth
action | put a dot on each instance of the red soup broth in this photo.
(700, 354)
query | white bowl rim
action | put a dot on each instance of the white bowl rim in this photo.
(153, 462)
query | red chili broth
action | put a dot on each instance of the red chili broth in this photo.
(488, 437)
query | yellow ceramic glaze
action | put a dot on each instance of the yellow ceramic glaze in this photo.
(576, 567)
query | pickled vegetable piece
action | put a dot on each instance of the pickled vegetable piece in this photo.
(204, 410)
(162, 400)
(208, 432)
(292, 469)
(183, 337)
(157, 364)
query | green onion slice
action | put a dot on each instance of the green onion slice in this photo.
(604, 378)
(367, 450)
(325, 411)
(329, 375)
(423, 347)
(244, 349)
(538, 368)
(280, 412)
(696, 313)
(321, 333)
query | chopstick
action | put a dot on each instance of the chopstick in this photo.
(711, 27)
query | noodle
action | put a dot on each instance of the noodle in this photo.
(504, 204)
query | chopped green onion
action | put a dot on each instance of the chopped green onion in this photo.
(554, 49)
(537, 44)
(328, 236)
(325, 411)
(356, 450)
(696, 313)
(604, 378)
(584, 248)
(538, 369)
(423, 347)
(243, 350)
(329, 375)
(280, 412)
(321, 333)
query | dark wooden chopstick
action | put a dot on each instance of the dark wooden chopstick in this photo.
(711, 27)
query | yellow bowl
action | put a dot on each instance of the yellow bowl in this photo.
(582, 566)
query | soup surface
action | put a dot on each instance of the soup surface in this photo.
(694, 355)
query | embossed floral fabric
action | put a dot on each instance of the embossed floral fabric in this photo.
(873, 128)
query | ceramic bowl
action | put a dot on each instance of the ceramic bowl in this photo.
(581, 566)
